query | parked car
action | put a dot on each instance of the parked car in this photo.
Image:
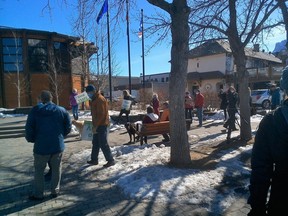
(261, 97)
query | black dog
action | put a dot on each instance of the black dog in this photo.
(132, 130)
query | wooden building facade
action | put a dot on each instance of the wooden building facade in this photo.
(32, 61)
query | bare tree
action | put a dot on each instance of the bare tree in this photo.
(179, 14)
(240, 22)
(283, 7)
(53, 72)
(21, 79)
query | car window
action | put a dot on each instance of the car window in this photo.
(257, 92)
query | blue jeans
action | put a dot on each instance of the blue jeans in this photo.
(100, 141)
(200, 115)
(75, 111)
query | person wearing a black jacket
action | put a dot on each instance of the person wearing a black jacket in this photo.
(127, 103)
(232, 99)
(269, 161)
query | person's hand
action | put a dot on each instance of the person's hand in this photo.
(94, 129)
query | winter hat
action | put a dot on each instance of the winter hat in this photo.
(284, 79)
(90, 88)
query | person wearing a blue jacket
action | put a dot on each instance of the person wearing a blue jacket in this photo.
(275, 96)
(47, 125)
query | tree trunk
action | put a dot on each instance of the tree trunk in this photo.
(244, 94)
(180, 150)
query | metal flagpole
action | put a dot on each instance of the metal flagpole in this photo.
(109, 57)
(128, 41)
(143, 56)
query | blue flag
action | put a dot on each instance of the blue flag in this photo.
(103, 10)
(140, 33)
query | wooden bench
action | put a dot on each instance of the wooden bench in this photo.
(157, 128)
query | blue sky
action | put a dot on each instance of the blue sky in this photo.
(28, 14)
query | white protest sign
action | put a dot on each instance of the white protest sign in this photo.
(87, 133)
(126, 104)
(80, 98)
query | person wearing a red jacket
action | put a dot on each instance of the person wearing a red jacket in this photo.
(199, 103)
(188, 106)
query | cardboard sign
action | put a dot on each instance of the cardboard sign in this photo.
(80, 98)
(126, 104)
(87, 133)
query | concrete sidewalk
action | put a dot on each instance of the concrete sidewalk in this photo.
(83, 193)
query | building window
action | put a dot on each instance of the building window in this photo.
(37, 55)
(162, 79)
(62, 58)
(167, 79)
(12, 54)
(197, 64)
(156, 80)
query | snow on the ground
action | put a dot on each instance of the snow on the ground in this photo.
(142, 172)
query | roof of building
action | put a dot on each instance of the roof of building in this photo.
(33, 31)
(220, 46)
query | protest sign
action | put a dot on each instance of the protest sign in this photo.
(126, 104)
(87, 133)
(80, 98)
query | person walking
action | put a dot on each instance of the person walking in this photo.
(100, 127)
(73, 103)
(199, 103)
(232, 99)
(188, 106)
(47, 125)
(223, 105)
(155, 104)
(274, 92)
(268, 181)
(127, 103)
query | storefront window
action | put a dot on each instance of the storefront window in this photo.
(37, 55)
(61, 54)
(12, 55)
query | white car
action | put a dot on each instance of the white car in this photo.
(261, 97)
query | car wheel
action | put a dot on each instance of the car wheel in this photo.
(266, 104)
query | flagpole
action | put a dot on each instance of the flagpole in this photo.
(128, 42)
(143, 56)
(109, 57)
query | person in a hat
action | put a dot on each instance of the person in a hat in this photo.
(100, 122)
(47, 125)
(269, 161)
(274, 91)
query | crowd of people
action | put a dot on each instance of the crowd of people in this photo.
(48, 124)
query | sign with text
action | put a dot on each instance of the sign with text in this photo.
(80, 98)
(87, 133)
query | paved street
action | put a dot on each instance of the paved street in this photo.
(82, 193)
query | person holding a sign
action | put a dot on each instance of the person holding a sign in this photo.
(100, 127)
(74, 104)
(127, 103)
